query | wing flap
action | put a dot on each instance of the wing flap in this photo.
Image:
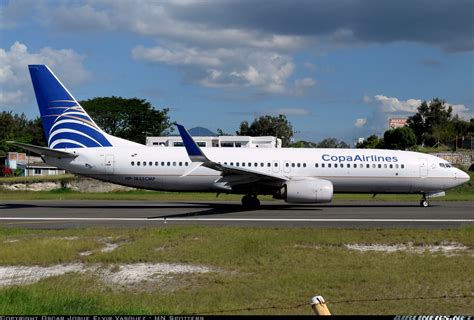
(231, 176)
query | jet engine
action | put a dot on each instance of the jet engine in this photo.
(307, 191)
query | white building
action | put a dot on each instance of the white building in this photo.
(31, 165)
(216, 142)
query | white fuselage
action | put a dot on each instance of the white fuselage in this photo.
(350, 170)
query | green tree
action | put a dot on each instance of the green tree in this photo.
(132, 119)
(268, 126)
(17, 127)
(332, 143)
(303, 144)
(428, 121)
(399, 139)
(372, 142)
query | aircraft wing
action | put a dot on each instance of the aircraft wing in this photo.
(43, 151)
(231, 176)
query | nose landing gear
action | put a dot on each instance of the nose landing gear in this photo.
(250, 201)
(424, 202)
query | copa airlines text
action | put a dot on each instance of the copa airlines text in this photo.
(78, 145)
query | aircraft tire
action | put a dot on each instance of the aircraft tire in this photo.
(250, 201)
(424, 203)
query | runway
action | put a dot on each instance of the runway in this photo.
(346, 214)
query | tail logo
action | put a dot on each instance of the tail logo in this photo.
(66, 124)
(71, 127)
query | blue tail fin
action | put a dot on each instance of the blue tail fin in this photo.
(66, 124)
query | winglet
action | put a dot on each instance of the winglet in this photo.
(194, 152)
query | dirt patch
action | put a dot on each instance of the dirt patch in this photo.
(120, 275)
(444, 248)
(18, 275)
(132, 274)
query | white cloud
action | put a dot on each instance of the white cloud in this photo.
(462, 111)
(78, 18)
(394, 105)
(12, 98)
(389, 107)
(302, 84)
(360, 122)
(291, 111)
(206, 55)
(218, 67)
(178, 56)
(15, 81)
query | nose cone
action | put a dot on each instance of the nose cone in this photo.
(462, 177)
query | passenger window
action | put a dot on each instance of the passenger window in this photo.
(385, 166)
(402, 166)
(287, 164)
(391, 166)
(174, 163)
(361, 165)
(335, 165)
(380, 166)
(255, 164)
(396, 166)
(243, 164)
(275, 164)
(249, 164)
(133, 163)
(231, 163)
(269, 164)
(322, 165)
(150, 163)
(298, 165)
(329, 165)
(180, 164)
(162, 163)
(316, 165)
(156, 163)
(236, 164)
(304, 165)
(292, 165)
(262, 164)
(186, 164)
(144, 163)
(373, 165)
(355, 165)
(168, 163)
(367, 165)
(138, 163)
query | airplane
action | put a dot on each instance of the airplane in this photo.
(296, 175)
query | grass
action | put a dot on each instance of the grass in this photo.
(464, 192)
(261, 267)
(31, 179)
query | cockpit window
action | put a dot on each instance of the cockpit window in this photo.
(441, 165)
(447, 165)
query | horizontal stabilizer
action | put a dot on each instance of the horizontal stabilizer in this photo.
(43, 151)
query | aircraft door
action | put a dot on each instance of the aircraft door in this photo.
(423, 167)
(109, 164)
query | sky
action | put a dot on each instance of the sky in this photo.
(334, 68)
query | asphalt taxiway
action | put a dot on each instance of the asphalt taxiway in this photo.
(348, 214)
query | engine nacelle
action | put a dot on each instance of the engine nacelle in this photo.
(307, 191)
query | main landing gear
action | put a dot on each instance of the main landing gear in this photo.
(424, 202)
(250, 201)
